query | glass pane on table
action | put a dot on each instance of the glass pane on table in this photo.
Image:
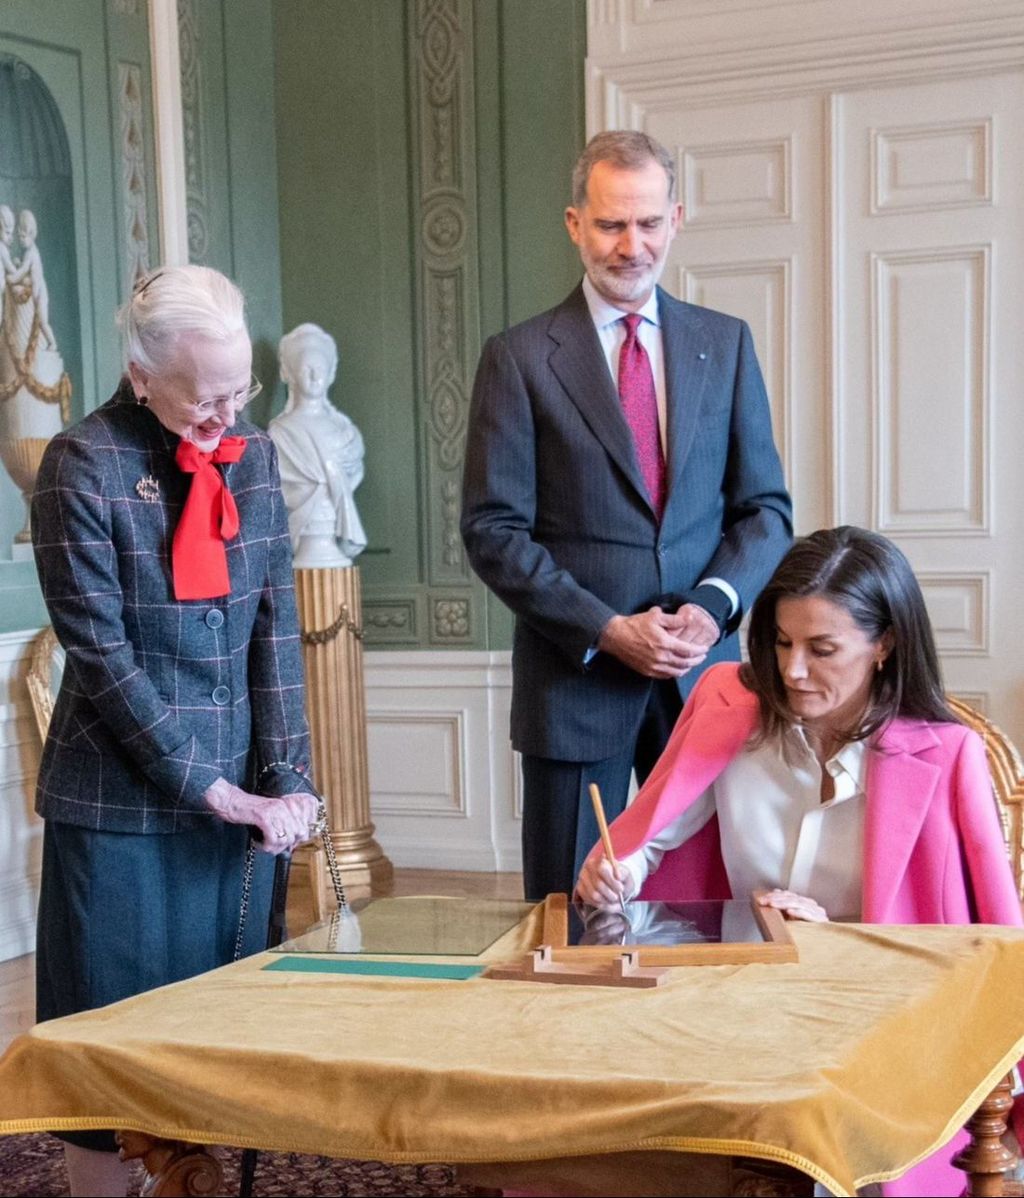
(712, 921)
(410, 927)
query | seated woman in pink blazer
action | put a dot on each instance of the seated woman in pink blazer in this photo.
(828, 771)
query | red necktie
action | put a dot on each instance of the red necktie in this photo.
(199, 562)
(640, 405)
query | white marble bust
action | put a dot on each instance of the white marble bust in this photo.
(320, 452)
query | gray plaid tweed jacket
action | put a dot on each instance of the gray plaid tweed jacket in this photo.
(159, 697)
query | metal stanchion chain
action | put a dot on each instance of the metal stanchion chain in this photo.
(322, 829)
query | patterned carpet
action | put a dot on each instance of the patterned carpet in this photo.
(33, 1167)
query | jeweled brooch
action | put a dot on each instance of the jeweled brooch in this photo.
(148, 488)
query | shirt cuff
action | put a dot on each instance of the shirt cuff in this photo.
(713, 600)
(636, 868)
(728, 588)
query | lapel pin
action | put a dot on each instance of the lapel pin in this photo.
(148, 488)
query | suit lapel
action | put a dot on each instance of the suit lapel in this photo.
(580, 366)
(687, 360)
(900, 786)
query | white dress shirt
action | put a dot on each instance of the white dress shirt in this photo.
(612, 334)
(775, 830)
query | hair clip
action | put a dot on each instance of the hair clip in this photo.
(143, 282)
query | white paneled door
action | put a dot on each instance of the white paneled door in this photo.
(859, 201)
(929, 411)
(754, 214)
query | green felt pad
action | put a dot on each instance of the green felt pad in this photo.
(390, 969)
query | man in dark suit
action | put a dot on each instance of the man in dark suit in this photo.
(623, 495)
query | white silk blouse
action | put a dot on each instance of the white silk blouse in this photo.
(775, 830)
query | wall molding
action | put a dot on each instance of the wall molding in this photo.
(620, 94)
(777, 273)
(974, 517)
(703, 42)
(165, 62)
(442, 106)
(464, 697)
(133, 172)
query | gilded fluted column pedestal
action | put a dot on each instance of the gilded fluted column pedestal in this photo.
(330, 604)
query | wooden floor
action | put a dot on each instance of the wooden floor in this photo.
(17, 977)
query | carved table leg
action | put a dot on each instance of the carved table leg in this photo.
(751, 1178)
(986, 1158)
(174, 1169)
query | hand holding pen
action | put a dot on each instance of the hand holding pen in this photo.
(603, 882)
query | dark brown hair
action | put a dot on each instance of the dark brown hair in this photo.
(869, 578)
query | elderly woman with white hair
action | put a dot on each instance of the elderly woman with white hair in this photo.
(163, 553)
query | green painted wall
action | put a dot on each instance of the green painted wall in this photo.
(227, 55)
(424, 149)
(80, 49)
(395, 170)
(81, 52)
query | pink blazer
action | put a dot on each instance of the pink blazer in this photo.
(933, 847)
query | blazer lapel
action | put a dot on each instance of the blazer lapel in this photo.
(900, 786)
(687, 361)
(580, 366)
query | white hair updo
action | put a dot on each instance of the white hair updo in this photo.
(175, 301)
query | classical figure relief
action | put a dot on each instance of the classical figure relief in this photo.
(34, 388)
(320, 452)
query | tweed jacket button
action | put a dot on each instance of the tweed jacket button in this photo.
(220, 695)
(214, 618)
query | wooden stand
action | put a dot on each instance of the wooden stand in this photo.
(330, 603)
(539, 966)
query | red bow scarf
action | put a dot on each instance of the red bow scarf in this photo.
(198, 560)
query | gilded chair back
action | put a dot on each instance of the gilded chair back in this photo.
(46, 666)
(1004, 764)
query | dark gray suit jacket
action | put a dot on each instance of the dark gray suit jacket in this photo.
(160, 696)
(557, 522)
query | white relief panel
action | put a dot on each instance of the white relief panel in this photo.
(979, 700)
(930, 381)
(958, 607)
(923, 168)
(442, 773)
(736, 183)
(418, 762)
(774, 33)
(759, 293)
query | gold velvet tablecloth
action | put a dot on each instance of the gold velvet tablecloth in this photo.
(851, 1065)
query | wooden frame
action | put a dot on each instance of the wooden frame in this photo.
(638, 965)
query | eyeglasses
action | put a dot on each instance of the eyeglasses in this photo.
(238, 401)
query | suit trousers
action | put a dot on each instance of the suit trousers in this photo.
(559, 825)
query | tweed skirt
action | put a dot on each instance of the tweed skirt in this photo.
(121, 913)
